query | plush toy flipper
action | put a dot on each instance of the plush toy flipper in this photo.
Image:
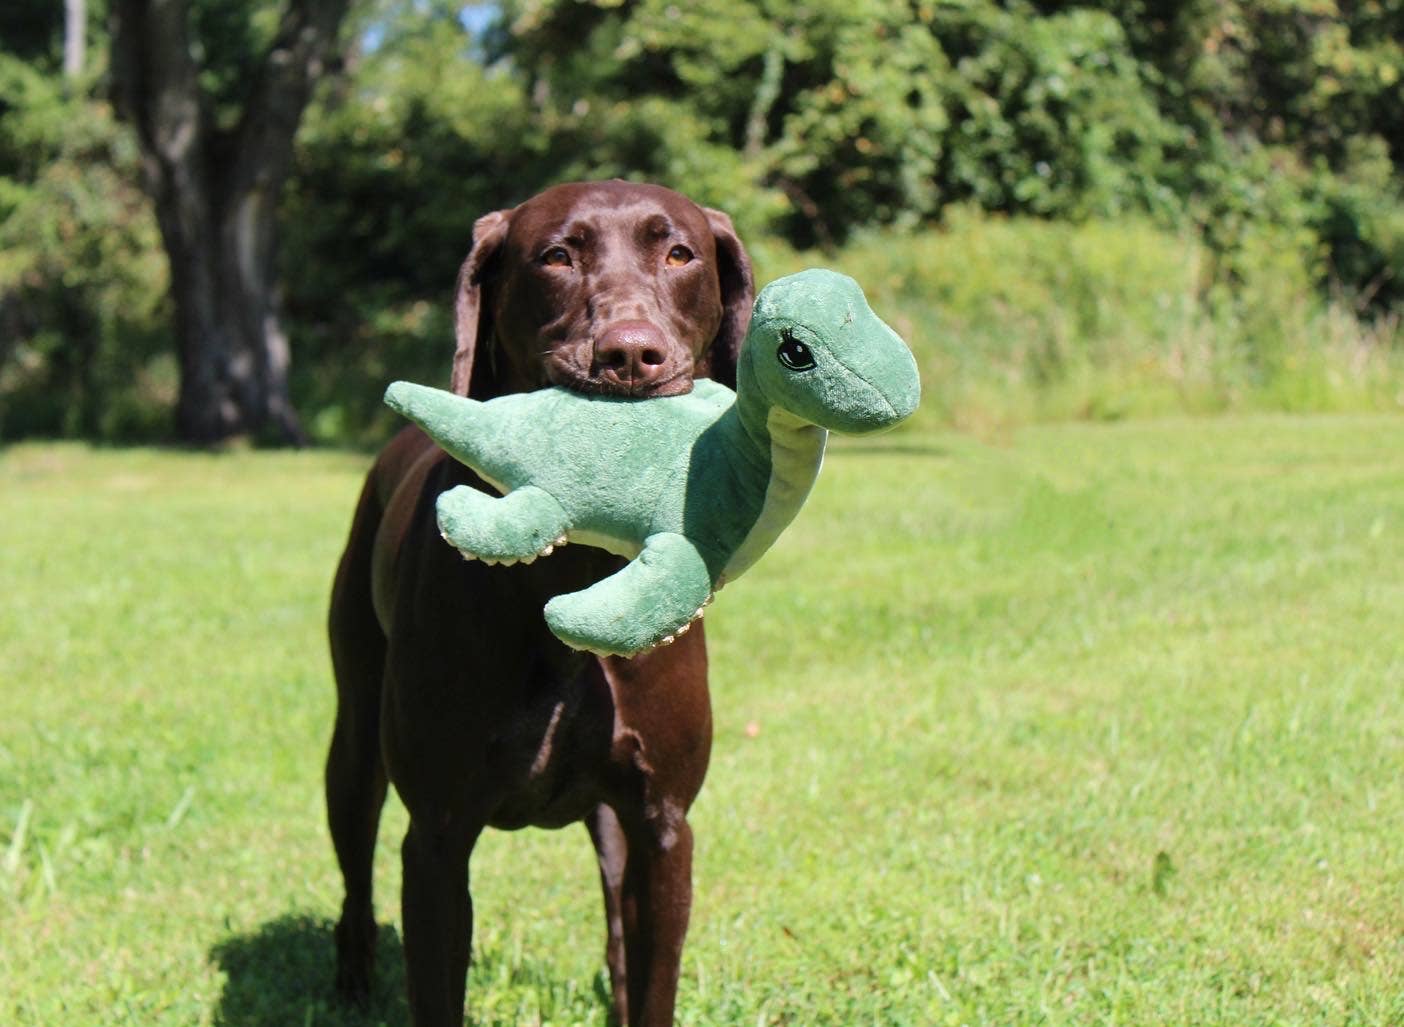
(518, 527)
(651, 601)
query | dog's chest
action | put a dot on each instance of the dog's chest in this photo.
(549, 764)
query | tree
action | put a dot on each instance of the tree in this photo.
(215, 158)
(841, 114)
(393, 164)
(84, 350)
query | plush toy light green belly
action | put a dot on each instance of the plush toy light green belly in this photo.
(693, 488)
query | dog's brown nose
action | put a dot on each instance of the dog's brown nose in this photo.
(632, 353)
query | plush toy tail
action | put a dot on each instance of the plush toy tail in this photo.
(448, 419)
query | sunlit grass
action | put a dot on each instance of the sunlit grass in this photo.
(1094, 724)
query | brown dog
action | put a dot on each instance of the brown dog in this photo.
(449, 683)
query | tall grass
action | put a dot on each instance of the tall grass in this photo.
(1023, 320)
(1014, 321)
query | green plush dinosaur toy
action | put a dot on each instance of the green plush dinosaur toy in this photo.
(692, 488)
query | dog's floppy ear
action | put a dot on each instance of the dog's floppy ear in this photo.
(472, 318)
(738, 292)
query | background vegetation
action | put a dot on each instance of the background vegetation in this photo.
(1007, 175)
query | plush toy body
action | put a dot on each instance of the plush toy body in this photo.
(693, 488)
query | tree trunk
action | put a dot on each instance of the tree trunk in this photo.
(233, 353)
(75, 30)
(216, 196)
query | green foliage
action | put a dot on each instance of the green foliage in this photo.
(229, 40)
(1022, 319)
(859, 114)
(977, 105)
(818, 121)
(82, 276)
(884, 112)
(393, 167)
(1096, 725)
(1255, 143)
(1286, 111)
(1012, 319)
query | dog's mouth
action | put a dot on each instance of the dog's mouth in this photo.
(582, 368)
(678, 384)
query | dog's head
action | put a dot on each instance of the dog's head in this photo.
(604, 287)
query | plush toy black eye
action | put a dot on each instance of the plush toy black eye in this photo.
(794, 354)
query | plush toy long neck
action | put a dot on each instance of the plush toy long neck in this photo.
(770, 441)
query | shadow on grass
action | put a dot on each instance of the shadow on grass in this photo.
(281, 976)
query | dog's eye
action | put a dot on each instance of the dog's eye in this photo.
(556, 256)
(794, 354)
(678, 256)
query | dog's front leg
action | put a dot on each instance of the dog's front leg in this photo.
(657, 902)
(438, 922)
(612, 853)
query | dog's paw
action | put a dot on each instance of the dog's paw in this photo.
(355, 961)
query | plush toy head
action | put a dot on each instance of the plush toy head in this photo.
(692, 488)
(816, 350)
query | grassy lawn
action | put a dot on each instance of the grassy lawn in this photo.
(1097, 724)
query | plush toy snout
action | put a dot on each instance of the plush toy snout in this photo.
(819, 352)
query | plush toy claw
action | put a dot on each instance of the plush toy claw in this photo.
(692, 488)
(495, 531)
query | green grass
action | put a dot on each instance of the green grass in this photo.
(1096, 724)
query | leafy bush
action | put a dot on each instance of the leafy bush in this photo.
(855, 114)
(83, 349)
(1022, 319)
